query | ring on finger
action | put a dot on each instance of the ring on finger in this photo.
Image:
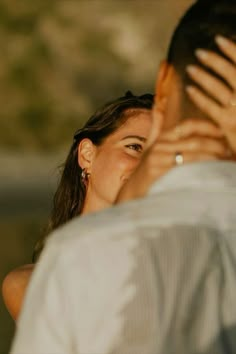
(178, 158)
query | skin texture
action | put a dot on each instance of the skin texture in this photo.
(197, 140)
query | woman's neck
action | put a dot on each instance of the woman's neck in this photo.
(93, 204)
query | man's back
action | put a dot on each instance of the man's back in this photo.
(153, 276)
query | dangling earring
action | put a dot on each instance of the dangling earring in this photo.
(85, 176)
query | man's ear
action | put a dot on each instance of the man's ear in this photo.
(163, 85)
(86, 154)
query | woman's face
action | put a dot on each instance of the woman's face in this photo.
(115, 160)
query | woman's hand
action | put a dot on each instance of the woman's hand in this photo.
(219, 102)
(197, 140)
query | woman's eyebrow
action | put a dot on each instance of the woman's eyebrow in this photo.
(138, 137)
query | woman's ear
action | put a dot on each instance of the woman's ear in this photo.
(86, 154)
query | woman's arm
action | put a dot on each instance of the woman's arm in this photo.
(14, 287)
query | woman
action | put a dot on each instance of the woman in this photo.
(101, 168)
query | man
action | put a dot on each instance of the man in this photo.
(156, 275)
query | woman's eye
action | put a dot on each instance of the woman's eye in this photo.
(135, 147)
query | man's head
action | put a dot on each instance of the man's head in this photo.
(197, 29)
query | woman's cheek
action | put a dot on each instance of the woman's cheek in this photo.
(128, 165)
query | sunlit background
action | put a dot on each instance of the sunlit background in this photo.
(60, 60)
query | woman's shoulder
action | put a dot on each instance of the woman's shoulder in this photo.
(14, 286)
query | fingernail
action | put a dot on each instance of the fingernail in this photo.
(201, 54)
(190, 89)
(191, 69)
(221, 41)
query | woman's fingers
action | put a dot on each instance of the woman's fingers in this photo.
(157, 164)
(205, 104)
(193, 156)
(195, 144)
(213, 86)
(162, 153)
(192, 127)
(166, 160)
(225, 117)
(219, 65)
(221, 109)
(227, 47)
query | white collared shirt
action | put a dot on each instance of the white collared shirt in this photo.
(152, 276)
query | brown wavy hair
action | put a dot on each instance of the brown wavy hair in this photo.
(69, 197)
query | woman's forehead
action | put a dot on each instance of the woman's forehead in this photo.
(136, 124)
(137, 118)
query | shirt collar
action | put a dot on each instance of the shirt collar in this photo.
(203, 175)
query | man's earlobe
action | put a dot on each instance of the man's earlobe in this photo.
(86, 153)
(163, 82)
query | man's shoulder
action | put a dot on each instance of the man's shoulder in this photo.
(96, 227)
(116, 222)
(169, 208)
(94, 243)
(158, 210)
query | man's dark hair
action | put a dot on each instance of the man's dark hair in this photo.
(198, 28)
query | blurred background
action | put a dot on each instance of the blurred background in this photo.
(60, 60)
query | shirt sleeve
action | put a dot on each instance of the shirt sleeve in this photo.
(43, 323)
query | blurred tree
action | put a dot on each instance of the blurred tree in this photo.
(62, 59)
